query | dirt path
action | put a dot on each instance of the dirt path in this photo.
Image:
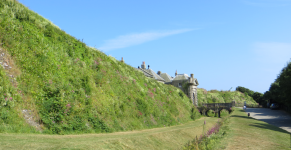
(277, 118)
(173, 137)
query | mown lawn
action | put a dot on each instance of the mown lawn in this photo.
(249, 133)
(173, 137)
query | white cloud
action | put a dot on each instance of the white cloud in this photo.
(137, 38)
(274, 52)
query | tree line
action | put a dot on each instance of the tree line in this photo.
(258, 97)
(279, 91)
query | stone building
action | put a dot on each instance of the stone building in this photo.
(150, 73)
(187, 84)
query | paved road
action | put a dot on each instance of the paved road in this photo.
(277, 118)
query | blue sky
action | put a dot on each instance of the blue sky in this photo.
(225, 43)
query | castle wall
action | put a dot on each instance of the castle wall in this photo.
(192, 93)
(176, 84)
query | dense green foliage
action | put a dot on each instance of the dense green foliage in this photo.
(214, 96)
(73, 88)
(224, 113)
(9, 119)
(257, 96)
(280, 90)
(210, 140)
(211, 113)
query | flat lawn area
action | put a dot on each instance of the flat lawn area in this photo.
(173, 137)
(248, 133)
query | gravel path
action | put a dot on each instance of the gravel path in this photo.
(277, 118)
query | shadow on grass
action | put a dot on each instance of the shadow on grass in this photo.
(241, 110)
(269, 127)
(261, 125)
(245, 117)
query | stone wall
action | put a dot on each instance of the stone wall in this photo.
(176, 84)
(192, 90)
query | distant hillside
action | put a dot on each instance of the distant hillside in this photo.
(214, 96)
(62, 86)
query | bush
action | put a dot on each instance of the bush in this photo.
(211, 113)
(209, 140)
(195, 113)
(224, 113)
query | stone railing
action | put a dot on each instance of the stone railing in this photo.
(225, 105)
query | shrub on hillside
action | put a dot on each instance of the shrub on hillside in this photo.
(195, 113)
(224, 113)
(10, 120)
(223, 97)
(258, 97)
(211, 113)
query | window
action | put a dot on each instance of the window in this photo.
(180, 84)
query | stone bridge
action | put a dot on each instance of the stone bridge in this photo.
(217, 107)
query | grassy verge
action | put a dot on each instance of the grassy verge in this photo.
(159, 138)
(249, 133)
(210, 139)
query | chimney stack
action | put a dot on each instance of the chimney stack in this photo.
(143, 65)
(122, 59)
(176, 73)
(159, 72)
(148, 66)
(192, 75)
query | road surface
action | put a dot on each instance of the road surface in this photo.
(277, 118)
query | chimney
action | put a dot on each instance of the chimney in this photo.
(192, 75)
(143, 65)
(176, 73)
(159, 72)
(122, 59)
(148, 66)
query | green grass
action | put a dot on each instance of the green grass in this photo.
(159, 138)
(214, 96)
(248, 133)
(72, 88)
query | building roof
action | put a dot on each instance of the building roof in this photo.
(166, 77)
(181, 77)
(150, 73)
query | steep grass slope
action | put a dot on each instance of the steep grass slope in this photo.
(71, 88)
(214, 96)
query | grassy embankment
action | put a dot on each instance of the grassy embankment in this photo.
(159, 138)
(72, 88)
(248, 133)
(214, 96)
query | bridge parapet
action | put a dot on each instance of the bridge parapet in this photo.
(217, 107)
